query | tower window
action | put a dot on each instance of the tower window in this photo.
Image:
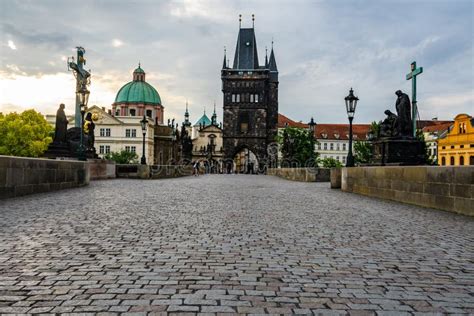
(132, 112)
(251, 98)
(233, 98)
(256, 98)
(237, 98)
(149, 113)
(244, 123)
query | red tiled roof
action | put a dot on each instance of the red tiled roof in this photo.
(341, 131)
(437, 127)
(283, 122)
(424, 123)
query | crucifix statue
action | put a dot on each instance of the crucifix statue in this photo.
(412, 75)
(82, 80)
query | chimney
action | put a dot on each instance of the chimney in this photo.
(110, 112)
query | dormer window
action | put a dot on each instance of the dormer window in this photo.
(324, 135)
(336, 136)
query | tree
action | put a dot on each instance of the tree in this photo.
(27, 134)
(122, 157)
(297, 147)
(330, 163)
(362, 152)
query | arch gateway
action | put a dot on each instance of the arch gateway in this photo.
(250, 101)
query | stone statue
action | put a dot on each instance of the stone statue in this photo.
(389, 126)
(89, 127)
(404, 121)
(61, 125)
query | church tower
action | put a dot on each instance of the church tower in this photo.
(250, 101)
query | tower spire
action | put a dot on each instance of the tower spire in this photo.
(240, 21)
(266, 57)
(253, 21)
(224, 65)
(214, 115)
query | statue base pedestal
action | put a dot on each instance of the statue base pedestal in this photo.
(398, 152)
(58, 150)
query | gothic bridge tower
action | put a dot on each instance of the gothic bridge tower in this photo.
(250, 102)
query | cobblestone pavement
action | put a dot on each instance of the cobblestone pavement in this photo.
(226, 243)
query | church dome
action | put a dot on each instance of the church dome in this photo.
(138, 91)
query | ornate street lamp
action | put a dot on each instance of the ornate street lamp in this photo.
(312, 125)
(143, 123)
(351, 103)
(83, 96)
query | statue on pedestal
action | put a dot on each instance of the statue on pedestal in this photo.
(61, 125)
(395, 143)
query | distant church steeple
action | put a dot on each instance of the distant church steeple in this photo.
(214, 116)
(186, 116)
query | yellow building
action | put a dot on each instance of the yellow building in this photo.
(457, 148)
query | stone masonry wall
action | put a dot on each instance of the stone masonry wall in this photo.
(301, 174)
(445, 188)
(21, 176)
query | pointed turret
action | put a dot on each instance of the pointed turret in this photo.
(272, 66)
(224, 64)
(266, 57)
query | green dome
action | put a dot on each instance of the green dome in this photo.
(138, 92)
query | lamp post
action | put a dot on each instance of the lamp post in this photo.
(143, 123)
(351, 103)
(83, 96)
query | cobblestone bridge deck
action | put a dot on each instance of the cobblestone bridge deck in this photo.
(240, 244)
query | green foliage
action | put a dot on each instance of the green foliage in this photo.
(362, 152)
(122, 157)
(297, 147)
(27, 134)
(330, 163)
(374, 129)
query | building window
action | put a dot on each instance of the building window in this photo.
(471, 160)
(319, 146)
(127, 148)
(461, 161)
(117, 113)
(127, 132)
(101, 149)
(444, 147)
(452, 146)
(134, 133)
(107, 149)
(251, 98)
(102, 132)
(462, 146)
(107, 132)
(343, 146)
(149, 113)
(237, 98)
(337, 146)
(331, 146)
(244, 123)
(233, 98)
(325, 146)
(337, 158)
(343, 159)
(133, 149)
(452, 161)
(443, 161)
(132, 112)
(256, 98)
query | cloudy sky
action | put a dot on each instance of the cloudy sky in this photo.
(322, 48)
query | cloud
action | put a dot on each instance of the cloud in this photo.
(11, 44)
(117, 43)
(322, 49)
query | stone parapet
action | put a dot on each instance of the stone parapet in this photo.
(101, 169)
(445, 188)
(21, 176)
(301, 174)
